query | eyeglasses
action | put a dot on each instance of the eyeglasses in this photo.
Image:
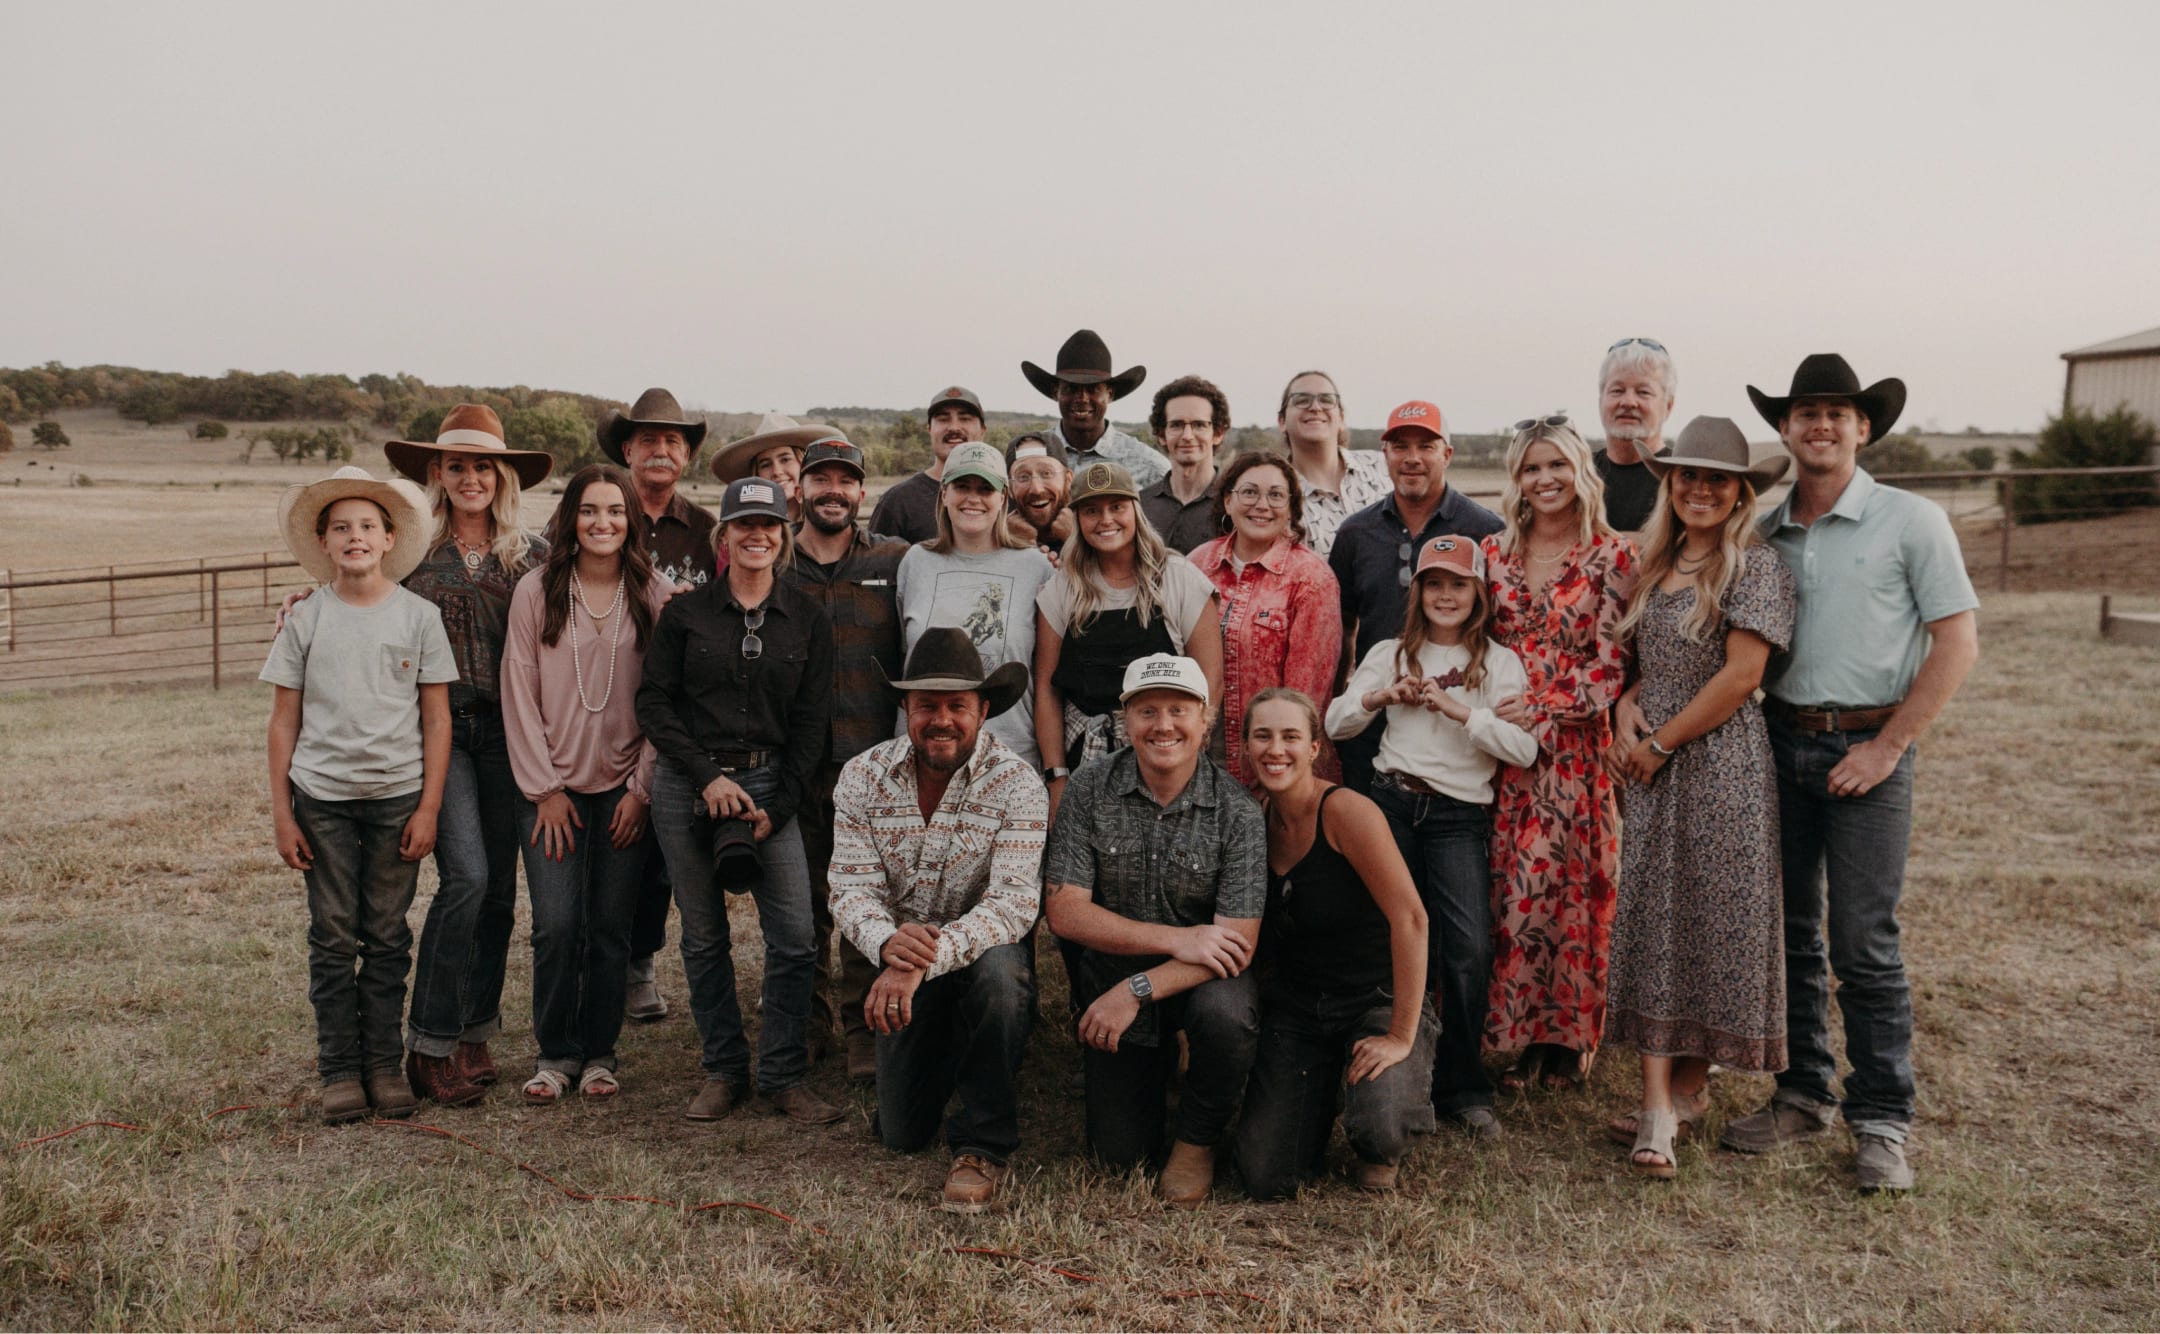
(1196, 428)
(1653, 344)
(1253, 495)
(1535, 423)
(1301, 399)
(753, 647)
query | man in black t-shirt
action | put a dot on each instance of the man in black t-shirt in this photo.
(908, 510)
(1635, 397)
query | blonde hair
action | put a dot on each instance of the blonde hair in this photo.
(1589, 487)
(1661, 539)
(511, 544)
(1474, 637)
(787, 541)
(1000, 531)
(1080, 566)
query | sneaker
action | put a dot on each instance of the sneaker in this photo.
(716, 1100)
(798, 1103)
(343, 1100)
(1777, 1124)
(1881, 1165)
(478, 1065)
(1379, 1178)
(1188, 1176)
(441, 1079)
(1478, 1123)
(390, 1095)
(861, 1058)
(970, 1184)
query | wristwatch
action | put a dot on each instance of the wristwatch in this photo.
(1140, 987)
(1053, 772)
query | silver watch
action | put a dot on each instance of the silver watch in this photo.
(1140, 987)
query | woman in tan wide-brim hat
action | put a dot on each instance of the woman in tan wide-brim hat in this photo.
(774, 452)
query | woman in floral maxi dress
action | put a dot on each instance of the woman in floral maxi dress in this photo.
(1561, 579)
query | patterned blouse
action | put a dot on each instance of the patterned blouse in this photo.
(475, 607)
(1364, 482)
(1281, 626)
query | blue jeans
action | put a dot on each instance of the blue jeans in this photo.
(458, 975)
(783, 903)
(1297, 1087)
(1127, 1089)
(969, 1031)
(581, 911)
(1861, 842)
(1447, 844)
(359, 945)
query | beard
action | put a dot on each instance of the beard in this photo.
(1629, 431)
(821, 520)
(949, 754)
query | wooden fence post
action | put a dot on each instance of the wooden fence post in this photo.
(112, 614)
(215, 626)
(2009, 519)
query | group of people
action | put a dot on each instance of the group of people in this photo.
(1315, 769)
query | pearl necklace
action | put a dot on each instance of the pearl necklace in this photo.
(577, 662)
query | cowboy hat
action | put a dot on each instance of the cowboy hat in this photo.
(655, 408)
(405, 503)
(1825, 375)
(1084, 359)
(773, 429)
(1717, 444)
(471, 429)
(945, 659)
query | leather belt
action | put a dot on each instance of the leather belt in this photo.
(731, 760)
(1406, 783)
(1829, 719)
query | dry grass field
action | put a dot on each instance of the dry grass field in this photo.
(156, 973)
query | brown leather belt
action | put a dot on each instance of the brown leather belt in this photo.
(732, 760)
(1829, 720)
(1406, 783)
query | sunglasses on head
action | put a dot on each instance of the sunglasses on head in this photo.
(1533, 423)
(1653, 344)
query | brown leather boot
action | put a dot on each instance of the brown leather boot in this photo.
(478, 1065)
(1377, 1177)
(441, 1079)
(971, 1183)
(390, 1095)
(1188, 1176)
(343, 1100)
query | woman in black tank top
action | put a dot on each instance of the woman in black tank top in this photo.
(1345, 1022)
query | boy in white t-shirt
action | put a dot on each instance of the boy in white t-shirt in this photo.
(359, 748)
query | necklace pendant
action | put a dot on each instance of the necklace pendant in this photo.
(472, 558)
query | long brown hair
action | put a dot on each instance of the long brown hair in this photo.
(562, 556)
(1475, 635)
(1661, 541)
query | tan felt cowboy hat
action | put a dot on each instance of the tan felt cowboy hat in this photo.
(1716, 443)
(1084, 359)
(945, 659)
(472, 429)
(774, 428)
(1825, 375)
(405, 503)
(654, 407)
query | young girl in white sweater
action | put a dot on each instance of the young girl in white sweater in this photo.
(1439, 681)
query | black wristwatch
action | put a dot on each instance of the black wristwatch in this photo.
(1141, 988)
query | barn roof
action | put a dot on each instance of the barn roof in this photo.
(2148, 341)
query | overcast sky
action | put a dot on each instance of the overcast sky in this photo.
(782, 205)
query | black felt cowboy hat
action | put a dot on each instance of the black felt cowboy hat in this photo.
(945, 659)
(1084, 359)
(1825, 375)
(656, 408)
(1716, 443)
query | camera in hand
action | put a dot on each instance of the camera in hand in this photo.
(736, 863)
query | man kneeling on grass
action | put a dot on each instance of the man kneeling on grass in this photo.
(1158, 870)
(937, 874)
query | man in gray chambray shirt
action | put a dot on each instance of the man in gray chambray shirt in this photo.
(1157, 869)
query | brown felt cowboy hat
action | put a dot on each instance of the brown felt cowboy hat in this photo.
(471, 429)
(404, 504)
(1716, 443)
(656, 408)
(774, 428)
(1084, 359)
(1825, 375)
(945, 659)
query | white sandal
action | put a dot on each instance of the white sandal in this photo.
(1655, 1135)
(546, 1088)
(598, 1082)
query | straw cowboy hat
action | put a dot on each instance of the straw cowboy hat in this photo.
(945, 659)
(774, 428)
(471, 429)
(1717, 444)
(655, 408)
(405, 503)
(1084, 359)
(1825, 375)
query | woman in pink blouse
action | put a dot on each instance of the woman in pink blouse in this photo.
(572, 662)
(1281, 617)
(1560, 581)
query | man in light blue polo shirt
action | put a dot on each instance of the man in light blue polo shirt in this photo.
(1885, 635)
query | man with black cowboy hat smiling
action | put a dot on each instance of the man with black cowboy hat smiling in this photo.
(1084, 386)
(937, 873)
(1884, 635)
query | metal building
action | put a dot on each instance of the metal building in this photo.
(2121, 370)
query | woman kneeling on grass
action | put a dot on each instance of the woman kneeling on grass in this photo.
(1698, 943)
(570, 674)
(1344, 1016)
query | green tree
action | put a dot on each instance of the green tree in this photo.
(48, 435)
(11, 404)
(2084, 439)
(153, 402)
(7, 437)
(427, 422)
(1980, 458)
(211, 430)
(1895, 454)
(557, 426)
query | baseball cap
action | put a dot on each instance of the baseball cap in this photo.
(833, 449)
(1164, 672)
(1029, 447)
(751, 497)
(1099, 480)
(975, 459)
(1456, 555)
(1419, 413)
(953, 395)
